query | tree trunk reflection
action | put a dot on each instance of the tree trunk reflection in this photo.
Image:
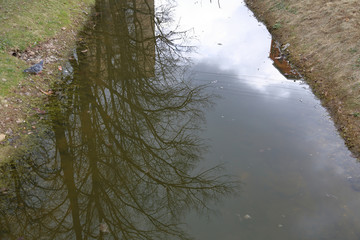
(119, 161)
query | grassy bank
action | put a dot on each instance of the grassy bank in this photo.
(324, 45)
(30, 31)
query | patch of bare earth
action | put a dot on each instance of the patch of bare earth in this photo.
(324, 40)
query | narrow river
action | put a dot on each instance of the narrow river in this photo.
(188, 133)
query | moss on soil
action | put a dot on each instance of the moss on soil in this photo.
(324, 42)
(30, 31)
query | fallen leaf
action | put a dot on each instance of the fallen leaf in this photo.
(60, 68)
(247, 216)
(49, 92)
(39, 111)
(104, 228)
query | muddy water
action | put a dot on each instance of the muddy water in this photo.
(138, 142)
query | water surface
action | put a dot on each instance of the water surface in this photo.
(136, 133)
(297, 174)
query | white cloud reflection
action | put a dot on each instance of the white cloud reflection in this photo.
(231, 38)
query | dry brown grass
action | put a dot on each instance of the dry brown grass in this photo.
(325, 45)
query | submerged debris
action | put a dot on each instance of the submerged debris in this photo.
(280, 61)
(354, 183)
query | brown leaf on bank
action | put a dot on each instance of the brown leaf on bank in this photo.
(48, 93)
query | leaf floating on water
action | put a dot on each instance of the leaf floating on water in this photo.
(247, 216)
(104, 228)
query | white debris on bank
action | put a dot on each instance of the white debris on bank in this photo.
(2, 137)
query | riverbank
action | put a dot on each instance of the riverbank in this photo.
(30, 32)
(325, 47)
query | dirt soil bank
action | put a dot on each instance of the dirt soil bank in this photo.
(324, 38)
(22, 107)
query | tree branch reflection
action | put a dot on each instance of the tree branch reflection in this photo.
(120, 161)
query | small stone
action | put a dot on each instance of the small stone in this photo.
(3, 79)
(63, 28)
(2, 137)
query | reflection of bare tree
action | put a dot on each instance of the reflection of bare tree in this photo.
(119, 162)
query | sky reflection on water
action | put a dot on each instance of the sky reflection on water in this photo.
(272, 133)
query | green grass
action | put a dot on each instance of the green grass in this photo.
(26, 23)
(353, 50)
(10, 72)
(277, 25)
(283, 5)
(357, 64)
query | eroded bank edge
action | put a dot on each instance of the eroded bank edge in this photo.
(29, 98)
(346, 123)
